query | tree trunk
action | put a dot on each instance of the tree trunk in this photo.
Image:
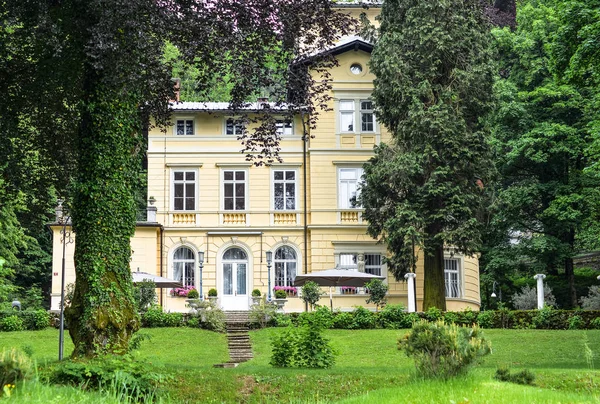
(102, 316)
(570, 275)
(433, 279)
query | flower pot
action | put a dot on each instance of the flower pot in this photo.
(256, 300)
(280, 303)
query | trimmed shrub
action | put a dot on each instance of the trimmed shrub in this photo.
(442, 350)
(321, 318)
(156, 317)
(280, 294)
(302, 347)
(311, 293)
(467, 317)
(451, 317)
(193, 294)
(377, 292)
(485, 319)
(393, 316)
(40, 320)
(433, 314)
(595, 323)
(575, 322)
(212, 292)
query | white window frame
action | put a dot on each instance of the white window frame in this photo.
(237, 124)
(184, 182)
(234, 182)
(347, 112)
(281, 126)
(287, 282)
(453, 277)
(185, 121)
(344, 200)
(184, 262)
(364, 112)
(284, 182)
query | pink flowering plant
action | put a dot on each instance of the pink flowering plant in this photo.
(348, 290)
(182, 292)
(289, 290)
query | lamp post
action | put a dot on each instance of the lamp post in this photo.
(269, 260)
(201, 265)
(494, 290)
(65, 239)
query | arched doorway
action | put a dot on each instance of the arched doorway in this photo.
(234, 279)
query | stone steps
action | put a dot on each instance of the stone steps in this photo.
(238, 339)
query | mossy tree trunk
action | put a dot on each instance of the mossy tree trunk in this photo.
(102, 316)
(434, 293)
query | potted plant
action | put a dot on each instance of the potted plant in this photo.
(212, 295)
(193, 299)
(280, 299)
(256, 297)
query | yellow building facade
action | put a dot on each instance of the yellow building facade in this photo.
(207, 200)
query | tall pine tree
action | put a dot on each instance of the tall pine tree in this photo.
(434, 78)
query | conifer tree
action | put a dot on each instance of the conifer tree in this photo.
(423, 191)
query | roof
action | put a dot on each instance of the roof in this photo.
(224, 106)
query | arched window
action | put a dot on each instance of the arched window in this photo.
(285, 266)
(184, 261)
(235, 254)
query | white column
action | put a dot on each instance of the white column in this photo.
(540, 290)
(410, 277)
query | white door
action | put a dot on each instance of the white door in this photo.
(234, 294)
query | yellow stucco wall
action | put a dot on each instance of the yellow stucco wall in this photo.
(211, 229)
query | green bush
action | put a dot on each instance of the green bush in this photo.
(451, 317)
(485, 319)
(522, 377)
(282, 320)
(280, 294)
(132, 379)
(144, 295)
(342, 320)
(467, 317)
(256, 293)
(40, 320)
(302, 347)
(212, 292)
(262, 314)
(595, 323)
(575, 322)
(544, 318)
(433, 314)
(442, 350)
(393, 316)
(193, 322)
(156, 317)
(14, 367)
(363, 319)
(321, 318)
(212, 319)
(12, 323)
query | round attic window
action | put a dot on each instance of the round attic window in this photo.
(356, 68)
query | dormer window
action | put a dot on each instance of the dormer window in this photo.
(234, 127)
(184, 127)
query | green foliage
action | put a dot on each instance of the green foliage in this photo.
(377, 292)
(311, 293)
(485, 319)
(156, 317)
(302, 347)
(525, 376)
(193, 294)
(363, 319)
(595, 323)
(40, 319)
(442, 350)
(212, 292)
(395, 316)
(136, 341)
(261, 314)
(280, 294)
(434, 74)
(342, 320)
(256, 293)
(12, 323)
(321, 318)
(15, 366)
(144, 295)
(212, 319)
(575, 322)
(544, 318)
(133, 378)
(433, 314)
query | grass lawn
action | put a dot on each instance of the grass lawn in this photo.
(369, 369)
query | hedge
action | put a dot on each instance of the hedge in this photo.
(15, 320)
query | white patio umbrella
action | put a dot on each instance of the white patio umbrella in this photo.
(159, 281)
(336, 277)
